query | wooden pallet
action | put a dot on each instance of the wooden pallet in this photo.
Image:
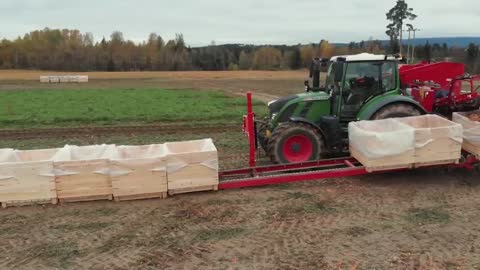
(435, 163)
(439, 150)
(86, 198)
(159, 195)
(192, 189)
(471, 148)
(192, 178)
(28, 202)
(401, 161)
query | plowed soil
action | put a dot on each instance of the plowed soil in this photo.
(421, 220)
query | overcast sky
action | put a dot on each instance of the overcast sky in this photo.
(240, 21)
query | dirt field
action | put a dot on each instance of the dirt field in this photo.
(425, 219)
(267, 84)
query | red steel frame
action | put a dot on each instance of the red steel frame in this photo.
(307, 171)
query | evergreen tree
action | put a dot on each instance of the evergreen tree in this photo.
(396, 16)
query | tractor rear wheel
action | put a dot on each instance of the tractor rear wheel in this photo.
(294, 143)
(396, 111)
(262, 136)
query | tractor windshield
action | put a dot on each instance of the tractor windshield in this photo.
(368, 71)
(366, 76)
(363, 80)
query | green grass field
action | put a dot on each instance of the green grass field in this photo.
(48, 108)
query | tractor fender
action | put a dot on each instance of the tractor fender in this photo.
(310, 123)
(377, 104)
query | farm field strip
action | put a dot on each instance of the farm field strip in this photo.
(74, 108)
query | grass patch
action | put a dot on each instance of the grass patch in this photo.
(299, 195)
(56, 254)
(40, 108)
(13, 218)
(117, 242)
(317, 208)
(357, 231)
(218, 201)
(218, 234)
(106, 211)
(422, 216)
(100, 212)
(95, 226)
(283, 186)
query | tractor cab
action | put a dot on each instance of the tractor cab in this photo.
(352, 81)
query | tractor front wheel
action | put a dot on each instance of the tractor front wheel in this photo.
(294, 143)
(396, 111)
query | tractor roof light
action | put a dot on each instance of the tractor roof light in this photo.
(271, 102)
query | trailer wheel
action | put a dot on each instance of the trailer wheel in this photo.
(295, 142)
(395, 111)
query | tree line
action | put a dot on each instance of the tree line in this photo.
(71, 50)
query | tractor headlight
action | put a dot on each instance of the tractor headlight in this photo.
(273, 116)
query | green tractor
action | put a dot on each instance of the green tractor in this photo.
(314, 125)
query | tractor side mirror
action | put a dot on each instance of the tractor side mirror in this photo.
(338, 71)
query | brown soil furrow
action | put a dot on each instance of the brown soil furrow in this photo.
(123, 130)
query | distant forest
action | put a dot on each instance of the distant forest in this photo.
(71, 50)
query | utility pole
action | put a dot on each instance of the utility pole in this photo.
(413, 47)
(410, 30)
(408, 45)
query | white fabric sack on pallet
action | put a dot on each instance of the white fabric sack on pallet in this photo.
(84, 153)
(471, 129)
(7, 155)
(90, 152)
(137, 155)
(181, 154)
(381, 138)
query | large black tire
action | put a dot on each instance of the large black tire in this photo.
(262, 136)
(396, 110)
(295, 142)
